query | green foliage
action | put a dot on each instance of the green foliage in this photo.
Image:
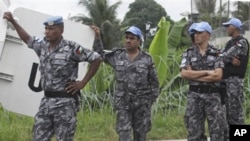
(242, 10)
(102, 80)
(175, 35)
(103, 15)
(164, 46)
(170, 126)
(96, 125)
(159, 49)
(205, 6)
(14, 127)
(142, 12)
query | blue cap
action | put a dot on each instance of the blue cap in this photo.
(203, 26)
(235, 22)
(191, 28)
(135, 30)
(55, 20)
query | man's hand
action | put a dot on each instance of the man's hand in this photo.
(189, 67)
(96, 30)
(8, 16)
(236, 61)
(74, 86)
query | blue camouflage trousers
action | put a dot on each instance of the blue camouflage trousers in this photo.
(234, 101)
(202, 106)
(55, 116)
(136, 119)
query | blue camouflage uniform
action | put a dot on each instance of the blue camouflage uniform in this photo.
(203, 99)
(137, 87)
(57, 110)
(233, 76)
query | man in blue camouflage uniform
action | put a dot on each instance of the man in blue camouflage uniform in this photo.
(59, 60)
(235, 56)
(137, 86)
(191, 33)
(203, 70)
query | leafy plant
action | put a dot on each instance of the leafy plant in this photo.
(159, 49)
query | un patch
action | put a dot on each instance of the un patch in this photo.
(79, 50)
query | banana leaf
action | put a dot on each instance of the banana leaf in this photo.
(174, 38)
(101, 81)
(159, 49)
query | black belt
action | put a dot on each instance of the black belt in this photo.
(204, 89)
(59, 94)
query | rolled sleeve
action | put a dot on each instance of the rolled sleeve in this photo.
(82, 54)
(184, 61)
(36, 44)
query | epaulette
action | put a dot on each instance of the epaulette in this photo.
(241, 41)
(191, 48)
(189, 51)
(114, 50)
(69, 43)
(213, 47)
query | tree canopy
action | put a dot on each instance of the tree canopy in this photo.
(103, 15)
(143, 12)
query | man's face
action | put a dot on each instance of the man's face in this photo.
(53, 32)
(230, 29)
(201, 37)
(131, 41)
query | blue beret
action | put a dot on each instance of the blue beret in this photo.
(55, 20)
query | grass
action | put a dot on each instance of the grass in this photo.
(97, 125)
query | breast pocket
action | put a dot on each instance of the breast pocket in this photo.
(210, 62)
(142, 73)
(59, 64)
(119, 72)
(194, 63)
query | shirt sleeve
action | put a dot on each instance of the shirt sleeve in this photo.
(184, 61)
(107, 55)
(36, 44)
(239, 49)
(219, 63)
(153, 80)
(82, 54)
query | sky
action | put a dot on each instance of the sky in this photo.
(66, 8)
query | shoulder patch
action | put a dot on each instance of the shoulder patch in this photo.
(212, 47)
(39, 39)
(241, 42)
(79, 50)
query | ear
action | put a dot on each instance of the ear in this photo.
(62, 30)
